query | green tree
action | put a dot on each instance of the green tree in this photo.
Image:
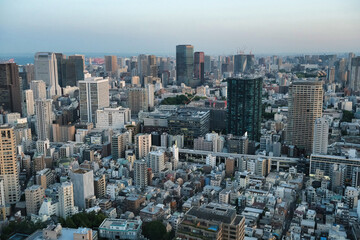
(155, 230)
(347, 116)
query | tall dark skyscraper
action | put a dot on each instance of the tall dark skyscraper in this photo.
(240, 62)
(184, 64)
(244, 106)
(199, 72)
(72, 71)
(10, 88)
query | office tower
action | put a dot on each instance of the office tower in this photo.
(100, 186)
(111, 65)
(93, 95)
(27, 73)
(46, 70)
(331, 75)
(165, 78)
(44, 117)
(79, 57)
(321, 132)
(10, 88)
(150, 93)
(152, 66)
(119, 142)
(142, 145)
(340, 71)
(199, 66)
(138, 100)
(59, 61)
(305, 106)
(66, 200)
(29, 104)
(240, 62)
(337, 177)
(354, 81)
(8, 165)
(114, 118)
(72, 71)
(157, 161)
(244, 107)
(142, 67)
(83, 180)
(212, 221)
(34, 197)
(207, 64)
(229, 167)
(355, 178)
(184, 64)
(140, 174)
(39, 89)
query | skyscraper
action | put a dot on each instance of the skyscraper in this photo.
(354, 81)
(46, 70)
(138, 100)
(240, 61)
(72, 71)
(140, 174)
(10, 88)
(142, 145)
(244, 107)
(83, 181)
(94, 95)
(29, 103)
(199, 64)
(44, 117)
(111, 64)
(305, 106)
(321, 132)
(8, 165)
(184, 64)
(39, 89)
(66, 200)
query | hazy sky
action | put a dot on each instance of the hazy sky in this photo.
(157, 26)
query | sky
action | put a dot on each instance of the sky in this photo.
(157, 26)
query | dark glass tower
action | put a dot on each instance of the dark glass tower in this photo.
(199, 72)
(184, 64)
(244, 107)
(10, 88)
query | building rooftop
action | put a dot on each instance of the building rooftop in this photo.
(217, 212)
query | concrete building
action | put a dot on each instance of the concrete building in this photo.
(120, 229)
(351, 197)
(114, 118)
(10, 88)
(100, 186)
(305, 106)
(8, 165)
(140, 174)
(111, 65)
(39, 89)
(142, 145)
(44, 118)
(44, 178)
(321, 136)
(354, 81)
(66, 200)
(83, 180)
(46, 69)
(34, 197)
(29, 104)
(93, 95)
(138, 100)
(157, 161)
(212, 221)
(119, 142)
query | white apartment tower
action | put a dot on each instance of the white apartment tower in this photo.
(46, 69)
(8, 165)
(94, 95)
(29, 103)
(157, 161)
(39, 89)
(140, 174)
(143, 144)
(321, 132)
(44, 117)
(66, 200)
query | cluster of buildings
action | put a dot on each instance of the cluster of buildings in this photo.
(232, 147)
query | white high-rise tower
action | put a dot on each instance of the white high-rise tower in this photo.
(321, 132)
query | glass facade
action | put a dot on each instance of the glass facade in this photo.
(184, 64)
(244, 107)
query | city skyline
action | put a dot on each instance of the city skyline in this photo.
(276, 27)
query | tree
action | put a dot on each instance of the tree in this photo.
(347, 116)
(155, 230)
